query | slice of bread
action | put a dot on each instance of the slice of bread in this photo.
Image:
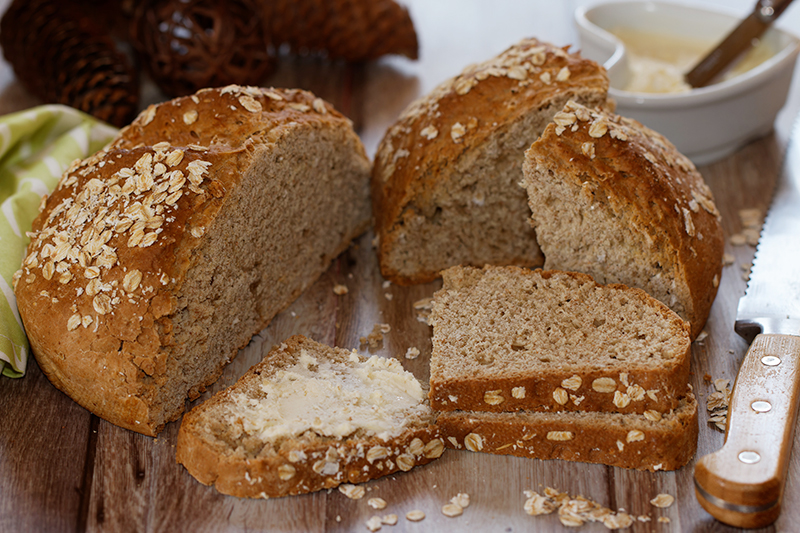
(445, 182)
(155, 260)
(644, 442)
(309, 417)
(616, 200)
(510, 338)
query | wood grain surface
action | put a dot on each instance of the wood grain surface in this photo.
(63, 469)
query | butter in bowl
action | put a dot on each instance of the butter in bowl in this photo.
(647, 46)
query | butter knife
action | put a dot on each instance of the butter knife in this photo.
(742, 483)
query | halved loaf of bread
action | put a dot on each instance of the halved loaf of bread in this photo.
(510, 338)
(616, 200)
(644, 442)
(309, 417)
(445, 182)
(155, 260)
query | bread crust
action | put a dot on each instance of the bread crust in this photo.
(626, 441)
(99, 305)
(654, 191)
(293, 466)
(628, 387)
(437, 137)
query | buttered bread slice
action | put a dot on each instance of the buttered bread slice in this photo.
(309, 417)
(513, 339)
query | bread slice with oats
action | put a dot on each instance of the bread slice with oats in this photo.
(514, 339)
(613, 199)
(154, 261)
(651, 441)
(445, 182)
(306, 418)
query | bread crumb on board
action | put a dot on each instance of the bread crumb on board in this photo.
(717, 403)
(751, 219)
(423, 308)
(340, 289)
(576, 511)
(375, 338)
(412, 353)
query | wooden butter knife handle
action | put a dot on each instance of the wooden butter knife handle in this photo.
(742, 483)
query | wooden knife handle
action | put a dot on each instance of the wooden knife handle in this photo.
(742, 483)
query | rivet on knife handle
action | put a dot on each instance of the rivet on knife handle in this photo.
(742, 483)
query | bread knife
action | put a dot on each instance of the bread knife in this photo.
(742, 483)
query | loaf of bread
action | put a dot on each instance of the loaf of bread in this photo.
(511, 338)
(645, 442)
(309, 417)
(445, 181)
(155, 260)
(616, 200)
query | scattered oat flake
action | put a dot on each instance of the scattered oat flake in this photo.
(727, 259)
(738, 239)
(374, 523)
(663, 500)
(429, 132)
(664, 519)
(354, 492)
(340, 289)
(461, 499)
(452, 510)
(377, 503)
(415, 516)
(574, 511)
(750, 217)
(190, 117)
(457, 132)
(389, 519)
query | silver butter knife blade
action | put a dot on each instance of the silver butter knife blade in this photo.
(771, 303)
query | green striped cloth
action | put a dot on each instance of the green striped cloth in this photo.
(36, 146)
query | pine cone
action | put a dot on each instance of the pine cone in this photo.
(191, 44)
(353, 30)
(62, 57)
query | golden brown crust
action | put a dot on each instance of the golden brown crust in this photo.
(112, 246)
(440, 132)
(294, 465)
(652, 189)
(601, 384)
(627, 441)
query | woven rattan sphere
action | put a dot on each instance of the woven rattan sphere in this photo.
(191, 44)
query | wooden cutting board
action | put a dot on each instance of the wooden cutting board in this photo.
(63, 469)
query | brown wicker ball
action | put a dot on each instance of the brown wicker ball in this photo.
(191, 44)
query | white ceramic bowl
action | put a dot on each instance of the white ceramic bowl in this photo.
(708, 123)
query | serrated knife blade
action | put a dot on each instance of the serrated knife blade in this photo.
(742, 483)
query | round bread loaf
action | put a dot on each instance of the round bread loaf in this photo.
(613, 199)
(445, 182)
(155, 260)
